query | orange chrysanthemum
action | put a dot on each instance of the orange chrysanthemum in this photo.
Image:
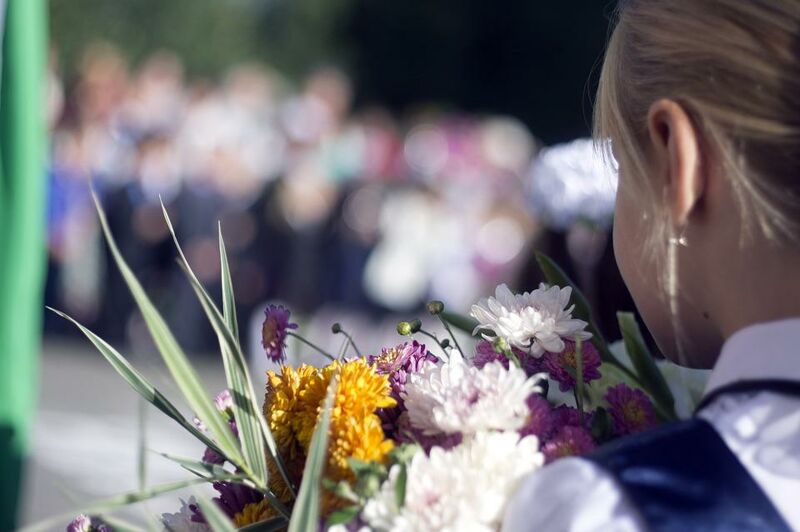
(286, 405)
(293, 404)
(254, 513)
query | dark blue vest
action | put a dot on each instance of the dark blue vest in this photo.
(683, 477)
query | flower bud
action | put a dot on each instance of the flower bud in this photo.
(445, 343)
(416, 325)
(404, 328)
(435, 307)
(336, 328)
(500, 345)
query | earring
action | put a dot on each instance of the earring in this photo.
(672, 290)
(678, 241)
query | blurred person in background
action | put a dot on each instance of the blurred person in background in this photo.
(321, 204)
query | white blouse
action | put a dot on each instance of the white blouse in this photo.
(762, 429)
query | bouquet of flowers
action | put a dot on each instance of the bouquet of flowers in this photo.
(428, 434)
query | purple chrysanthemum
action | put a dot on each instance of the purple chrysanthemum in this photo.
(224, 402)
(398, 363)
(541, 421)
(406, 433)
(85, 523)
(274, 331)
(562, 366)
(631, 410)
(485, 354)
(234, 497)
(568, 416)
(568, 441)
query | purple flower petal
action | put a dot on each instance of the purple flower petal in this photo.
(274, 331)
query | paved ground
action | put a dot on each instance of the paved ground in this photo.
(86, 432)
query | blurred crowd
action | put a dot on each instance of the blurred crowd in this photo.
(321, 204)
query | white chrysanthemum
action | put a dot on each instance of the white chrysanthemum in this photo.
(463, 489)
(534, 321)
(455, 397)
(182, 521)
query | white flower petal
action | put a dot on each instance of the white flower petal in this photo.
(462, 489)
(530, 320)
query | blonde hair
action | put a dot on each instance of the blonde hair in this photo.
(734, 66)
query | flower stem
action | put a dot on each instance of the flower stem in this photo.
(453, 336)
(311, 345)
(435, 339)
(579, 378)
(350, 339)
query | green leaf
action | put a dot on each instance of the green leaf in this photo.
(579, 385)
(139, 384)
(214, 516)
(201, 469)
(403, 453)
(141, 450)
(228, 299)
(602, 428)
(305, 516)
(343, 516)
(341, 489)
(400, 486)
(647, 372)
(178, 364)
(124, 499)
(461, 322)
(556, 276)
(245, 409)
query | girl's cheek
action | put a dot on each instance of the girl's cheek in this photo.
(624, 241)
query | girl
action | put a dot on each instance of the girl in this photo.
(701, 102)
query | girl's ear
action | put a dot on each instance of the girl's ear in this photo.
(674, 148)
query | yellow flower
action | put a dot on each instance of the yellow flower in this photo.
(285, 405)
(293, 404)
(361, 391)
(254, 513)
(353, 437)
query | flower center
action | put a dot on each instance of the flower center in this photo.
(633, 413)
(568, 360)
(269, 331)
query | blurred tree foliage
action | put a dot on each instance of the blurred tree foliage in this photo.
(528, 58)
(208, 34)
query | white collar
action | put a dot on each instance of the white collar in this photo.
(765, 351)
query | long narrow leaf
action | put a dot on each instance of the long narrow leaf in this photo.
(201, 469)
(139, 384)
(464, 323)
(645, 365)
(228, 299)
(245, 409)
(124, 499)
(214, 516)
(178, 364)
(556, 276)
(141, 449)
(305, 515)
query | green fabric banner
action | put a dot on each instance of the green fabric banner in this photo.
(22, 235)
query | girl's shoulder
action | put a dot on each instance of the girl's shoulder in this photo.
(681, 476)
(572, 494)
